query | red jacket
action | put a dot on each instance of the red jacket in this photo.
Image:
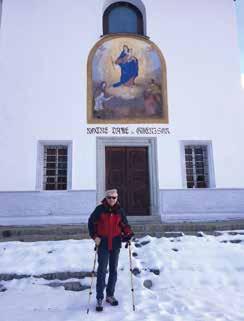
(110, 224)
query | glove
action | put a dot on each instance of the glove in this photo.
(127, 238)
(97, 241)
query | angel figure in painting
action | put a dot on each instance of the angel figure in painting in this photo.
(152, 98)
(129, 67)
(101, 99)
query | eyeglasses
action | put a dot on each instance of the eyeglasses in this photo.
(111, 197)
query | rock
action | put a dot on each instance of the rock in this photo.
(9, 277)
(148, 284)
(232, 241)
(200, 234)
(54, 284)
(216, 233)
(232, 233)
(134, 254)
(69, 286)
(47, 276)
(136, 271)
(155, 271)
(144, 242)
(2, 288)
(174, 249)
(138, 245)
(75, 286)
(64, 275)
(235, 241)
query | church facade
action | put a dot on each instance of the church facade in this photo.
(136, 95)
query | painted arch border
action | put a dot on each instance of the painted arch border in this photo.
(91, 119)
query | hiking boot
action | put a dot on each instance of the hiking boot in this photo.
(99, 306)
(112, 300)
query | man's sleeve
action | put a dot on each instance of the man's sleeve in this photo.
(126, 228)
(92, 223)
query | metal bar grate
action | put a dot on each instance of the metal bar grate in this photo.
(55, 167)
(197, 169)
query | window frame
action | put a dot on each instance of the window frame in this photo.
(211, 173)
(140, 22)
(40, 164)
(56, 163)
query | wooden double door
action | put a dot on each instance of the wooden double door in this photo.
(127, 170)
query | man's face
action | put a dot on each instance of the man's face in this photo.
(112, 199)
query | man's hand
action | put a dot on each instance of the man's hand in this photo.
(97, 241)
(127, 238)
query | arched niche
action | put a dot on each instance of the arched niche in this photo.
(127, 81)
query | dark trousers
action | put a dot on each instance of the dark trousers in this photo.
(105, 256)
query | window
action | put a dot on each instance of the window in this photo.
(55, 167)
(196, 166)
(122, 17)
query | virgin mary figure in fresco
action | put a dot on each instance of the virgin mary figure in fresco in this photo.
(129, 67)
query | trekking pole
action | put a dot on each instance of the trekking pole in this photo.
(93, 274)
(132, 288)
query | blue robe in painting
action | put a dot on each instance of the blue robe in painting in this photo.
(129, 69)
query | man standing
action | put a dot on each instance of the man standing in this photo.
(108, 227)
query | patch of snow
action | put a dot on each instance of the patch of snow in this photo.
(200, 279)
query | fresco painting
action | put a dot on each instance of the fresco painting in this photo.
(127, 82)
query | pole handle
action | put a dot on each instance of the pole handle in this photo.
(127, 244)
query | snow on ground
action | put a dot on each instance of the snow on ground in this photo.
(201, 279)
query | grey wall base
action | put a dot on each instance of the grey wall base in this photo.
(46, 207)
(201, 204)
(74, 207)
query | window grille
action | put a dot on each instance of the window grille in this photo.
(197, 167)
(55, 167)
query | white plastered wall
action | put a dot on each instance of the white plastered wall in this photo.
(44, 47)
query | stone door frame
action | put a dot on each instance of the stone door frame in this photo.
(151, 143)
